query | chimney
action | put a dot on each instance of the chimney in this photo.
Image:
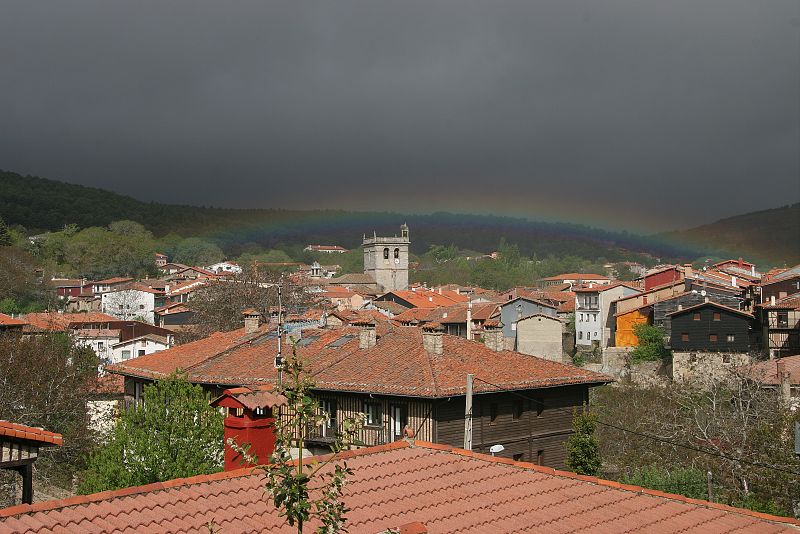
(249, 421)
(772, 300)
(252, 320)
(741, 263)
(733, 281)
(469, 319)
(680, 307)
(688, 271)
(753, 270)
(705, 299)
(367, 337)
(493, 336)
(432, 338)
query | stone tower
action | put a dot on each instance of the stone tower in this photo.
(386, 260)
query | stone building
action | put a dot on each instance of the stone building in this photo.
(386, 260)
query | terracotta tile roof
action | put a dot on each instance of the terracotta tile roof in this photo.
(605, 287)
(397, 365)
(792, 302)
(175, 307)
(253, 397)
(108, 384)
(576, 276)
(451, 314)
(766, 372)
(402, 483)
(30, 433)
(61, 321)
(7, 320)
(115, 280)
(392, 307)
(425, 298)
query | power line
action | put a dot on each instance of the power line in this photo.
(662, 440)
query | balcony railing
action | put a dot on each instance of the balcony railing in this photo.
(327, 432)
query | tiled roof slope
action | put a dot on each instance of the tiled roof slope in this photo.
(397, 365)
(767, 372)
(30, 433)
(445, 489)
(7, 320)
(61, 321)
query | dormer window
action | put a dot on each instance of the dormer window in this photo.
(386, 254)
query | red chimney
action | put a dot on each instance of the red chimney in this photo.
(250, 420)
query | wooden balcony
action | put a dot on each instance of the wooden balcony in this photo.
(367, 435)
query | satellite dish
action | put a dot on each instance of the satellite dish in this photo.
(494, 449)
(703, 293)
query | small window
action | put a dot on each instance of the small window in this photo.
(100, 345)
(712, 338)
(141, 306)
(518, 457)
(519, 407)
(373, 415)
(595, 317)
(684, 337)
(386, 254)
(126, 355)
(396, 253)
(717, 316)
(492, 412)
(141, 352)
(540, 457)
(539, 406)
(726, 358)
(580, 335)
(696, 316)
(731, 338)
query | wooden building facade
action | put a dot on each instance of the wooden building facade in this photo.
(712, 327)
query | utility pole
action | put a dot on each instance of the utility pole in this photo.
(468, 415)
(709, 478)
(279, 356)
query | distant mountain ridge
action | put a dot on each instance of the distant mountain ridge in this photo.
(771, 236)
(41, 204)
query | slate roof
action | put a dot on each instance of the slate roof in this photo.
(444, 489)
(397, 365)
(42, 437)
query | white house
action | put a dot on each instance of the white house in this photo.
(133, 301)
(109, 284)
(593, 317)
(225, 267)
(139, 346)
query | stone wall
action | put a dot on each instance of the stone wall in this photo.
(706, 366)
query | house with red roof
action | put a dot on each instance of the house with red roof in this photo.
(408, 487)
(420, 297)
(19, 448)
(594, 319)
(572, 279)
(8, 323)
(399, 378)
(326, 249)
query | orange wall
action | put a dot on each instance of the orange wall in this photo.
(625, 323)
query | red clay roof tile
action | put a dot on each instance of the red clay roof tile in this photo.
(444, 489)
(30, 433)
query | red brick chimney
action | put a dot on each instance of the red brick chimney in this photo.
(250, 421)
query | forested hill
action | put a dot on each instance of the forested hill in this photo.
(40, 204)
(771, 236)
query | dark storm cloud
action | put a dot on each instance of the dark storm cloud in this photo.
(646, 114)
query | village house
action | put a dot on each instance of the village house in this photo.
(420, 297)
(160, 260)
(594, 318)
(326, 249)
(572, 279)
(780, 285)
(464, 320)
(110, 284)
(781, 375)
(225, 267)
(780, 320)
(135, 300)
(514, 310)
(11, 324)
(176, 317)
(542, 335)
(172, 268)
(398, 377)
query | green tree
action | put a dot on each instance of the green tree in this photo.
(290, 482)
(5, 235)
(196, 251)
(687, 481)
(173, 433)
(651, 346)
(97, 252)
(46, 381)
(583, 451)
(130, 229)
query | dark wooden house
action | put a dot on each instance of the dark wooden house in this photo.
(712, 327)
(401, 381)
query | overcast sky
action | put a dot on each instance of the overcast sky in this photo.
(641, 114)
